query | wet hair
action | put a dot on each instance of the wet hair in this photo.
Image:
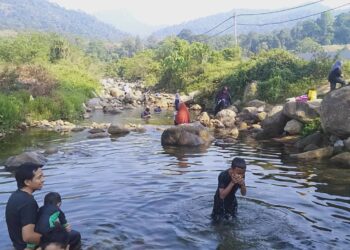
(57, 236)
(52, 198)
(26, 172)
(238, 162)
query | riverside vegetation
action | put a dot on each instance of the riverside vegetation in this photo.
(45, 76)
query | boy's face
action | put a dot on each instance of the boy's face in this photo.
(238, 172)
(37, 182)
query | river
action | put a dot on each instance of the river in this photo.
(131, 193)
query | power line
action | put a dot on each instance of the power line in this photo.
(254, 14)
(217, 25)
(264, 24)
(279, 11)
(291, 20)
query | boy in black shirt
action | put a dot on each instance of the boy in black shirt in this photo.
(21, 208)
(230, 180)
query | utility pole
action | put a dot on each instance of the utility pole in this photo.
(235, 27)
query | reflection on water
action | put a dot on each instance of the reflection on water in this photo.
(131, 193)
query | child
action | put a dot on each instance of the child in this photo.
(158, 109)
(230, 180)
(50, 216)
(146, 114)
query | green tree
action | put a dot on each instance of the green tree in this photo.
(342, 29)
(325, 23)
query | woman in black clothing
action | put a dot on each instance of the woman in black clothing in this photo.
(335, 76)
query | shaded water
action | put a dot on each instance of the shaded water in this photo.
(131, 193)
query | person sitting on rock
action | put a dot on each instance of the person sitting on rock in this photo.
(146, 113)
(182, 116)
(222, 100)
(335, 76)
(158, 109)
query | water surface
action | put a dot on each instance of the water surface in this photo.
(131, 193)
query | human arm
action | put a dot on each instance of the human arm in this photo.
(241, 182)
(225, 191)
(63, 221)
(29, 235)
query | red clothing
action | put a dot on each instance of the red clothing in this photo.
(182, 116)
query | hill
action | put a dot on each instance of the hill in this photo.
(41, 15)
(201, 25)
(124, 21)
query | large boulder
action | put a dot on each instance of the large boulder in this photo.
(27, 157)
(227, 117)
(317, 139)
(342, 159)
(302, 111)
(320, 153)
(335, 112)
(186, 135)
(274, 124)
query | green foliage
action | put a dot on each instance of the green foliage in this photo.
(47, 67)
(311, 127)
(10, 112)
(279, 74)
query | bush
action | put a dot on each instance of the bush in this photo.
(11, 112)
(311, 127)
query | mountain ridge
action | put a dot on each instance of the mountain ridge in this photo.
(41, 15)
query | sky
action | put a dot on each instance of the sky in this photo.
(167, 12)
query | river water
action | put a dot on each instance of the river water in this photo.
(131, 193)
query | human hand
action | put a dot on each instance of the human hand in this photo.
(237, 179)
(68, 228)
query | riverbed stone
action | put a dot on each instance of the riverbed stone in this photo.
(335, 112)
(347, 144)
(342, 159)
(117, 130)
(227, 117)
(316, 138)
(98, 135)
(196, 107)
(186, 135)
(320, 153)
(302, 111)
(96, 130)
(204, 119)
(293, 127)
(27, 157)
(274, 124)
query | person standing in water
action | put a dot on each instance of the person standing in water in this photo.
(229, 181)
(335, 76)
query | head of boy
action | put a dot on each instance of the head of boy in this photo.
(53, 198)
(238, 166)
(147, 109)
(56, 239)
(29, 176)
